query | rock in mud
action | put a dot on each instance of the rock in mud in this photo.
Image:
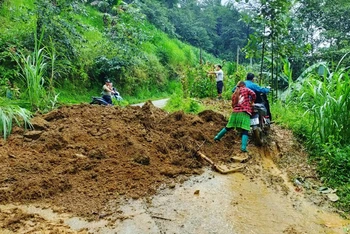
(142, 159)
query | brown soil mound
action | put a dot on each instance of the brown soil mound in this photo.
(79, 157)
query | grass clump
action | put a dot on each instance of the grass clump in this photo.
(178, 102)
(10, 114)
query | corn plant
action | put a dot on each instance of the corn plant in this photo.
(331, 106)
(32, 68)
(327, 98)
(10, 113)
(199, 83)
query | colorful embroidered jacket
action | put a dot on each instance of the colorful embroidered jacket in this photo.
(246, 97)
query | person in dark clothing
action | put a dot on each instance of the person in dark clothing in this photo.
(259, 91)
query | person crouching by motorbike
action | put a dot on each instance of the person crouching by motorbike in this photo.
(242, 100)
(107, 92)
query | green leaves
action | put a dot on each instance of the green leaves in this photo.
(9, 114)
(327, 98)
(34, 73)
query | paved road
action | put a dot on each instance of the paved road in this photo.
(158, 103)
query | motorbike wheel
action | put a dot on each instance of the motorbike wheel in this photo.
(99, 101)
(267, 128)
(258, 136)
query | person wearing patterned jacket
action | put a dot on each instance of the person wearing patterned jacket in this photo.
(242, 102)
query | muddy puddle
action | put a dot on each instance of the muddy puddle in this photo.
(209, 203)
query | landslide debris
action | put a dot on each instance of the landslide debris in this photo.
(80, 157)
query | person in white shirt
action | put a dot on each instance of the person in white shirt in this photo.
(219, 79)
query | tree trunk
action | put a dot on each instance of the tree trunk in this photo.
(272, 67)
(262, 58)
(237, 56)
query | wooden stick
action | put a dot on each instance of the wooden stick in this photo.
(218, 168)
(158, 217)
(222, 171)
(206, 158)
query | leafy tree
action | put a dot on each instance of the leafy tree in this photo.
(310, 11)
(327, 27)
(189, 28)
(170, 3)
(213, 27)
(272, 37)
(157, 14)
(229, 32)
(59, 30)
(336, 22)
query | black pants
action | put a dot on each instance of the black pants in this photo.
(107, 98)
(219, 86)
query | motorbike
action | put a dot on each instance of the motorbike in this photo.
(101, 101)
(260, 123)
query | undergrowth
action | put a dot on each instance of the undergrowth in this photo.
(332, 158)
(177, 102)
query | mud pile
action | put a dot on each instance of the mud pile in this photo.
(80, 157)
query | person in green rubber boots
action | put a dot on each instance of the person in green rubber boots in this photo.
(242, 102)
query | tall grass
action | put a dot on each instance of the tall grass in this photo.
(328, 100)
(33, 70)
(293, 116)
(12, 113)
(325, 98)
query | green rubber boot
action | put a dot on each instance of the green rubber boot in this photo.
(220, 134)
(244, 143)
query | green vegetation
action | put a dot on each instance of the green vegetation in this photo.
(40, 95)
(293, 116)
(10, 113)
(177, 102)
(317, 109)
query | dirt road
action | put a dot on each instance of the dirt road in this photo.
(157, 103)
(93, 169)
